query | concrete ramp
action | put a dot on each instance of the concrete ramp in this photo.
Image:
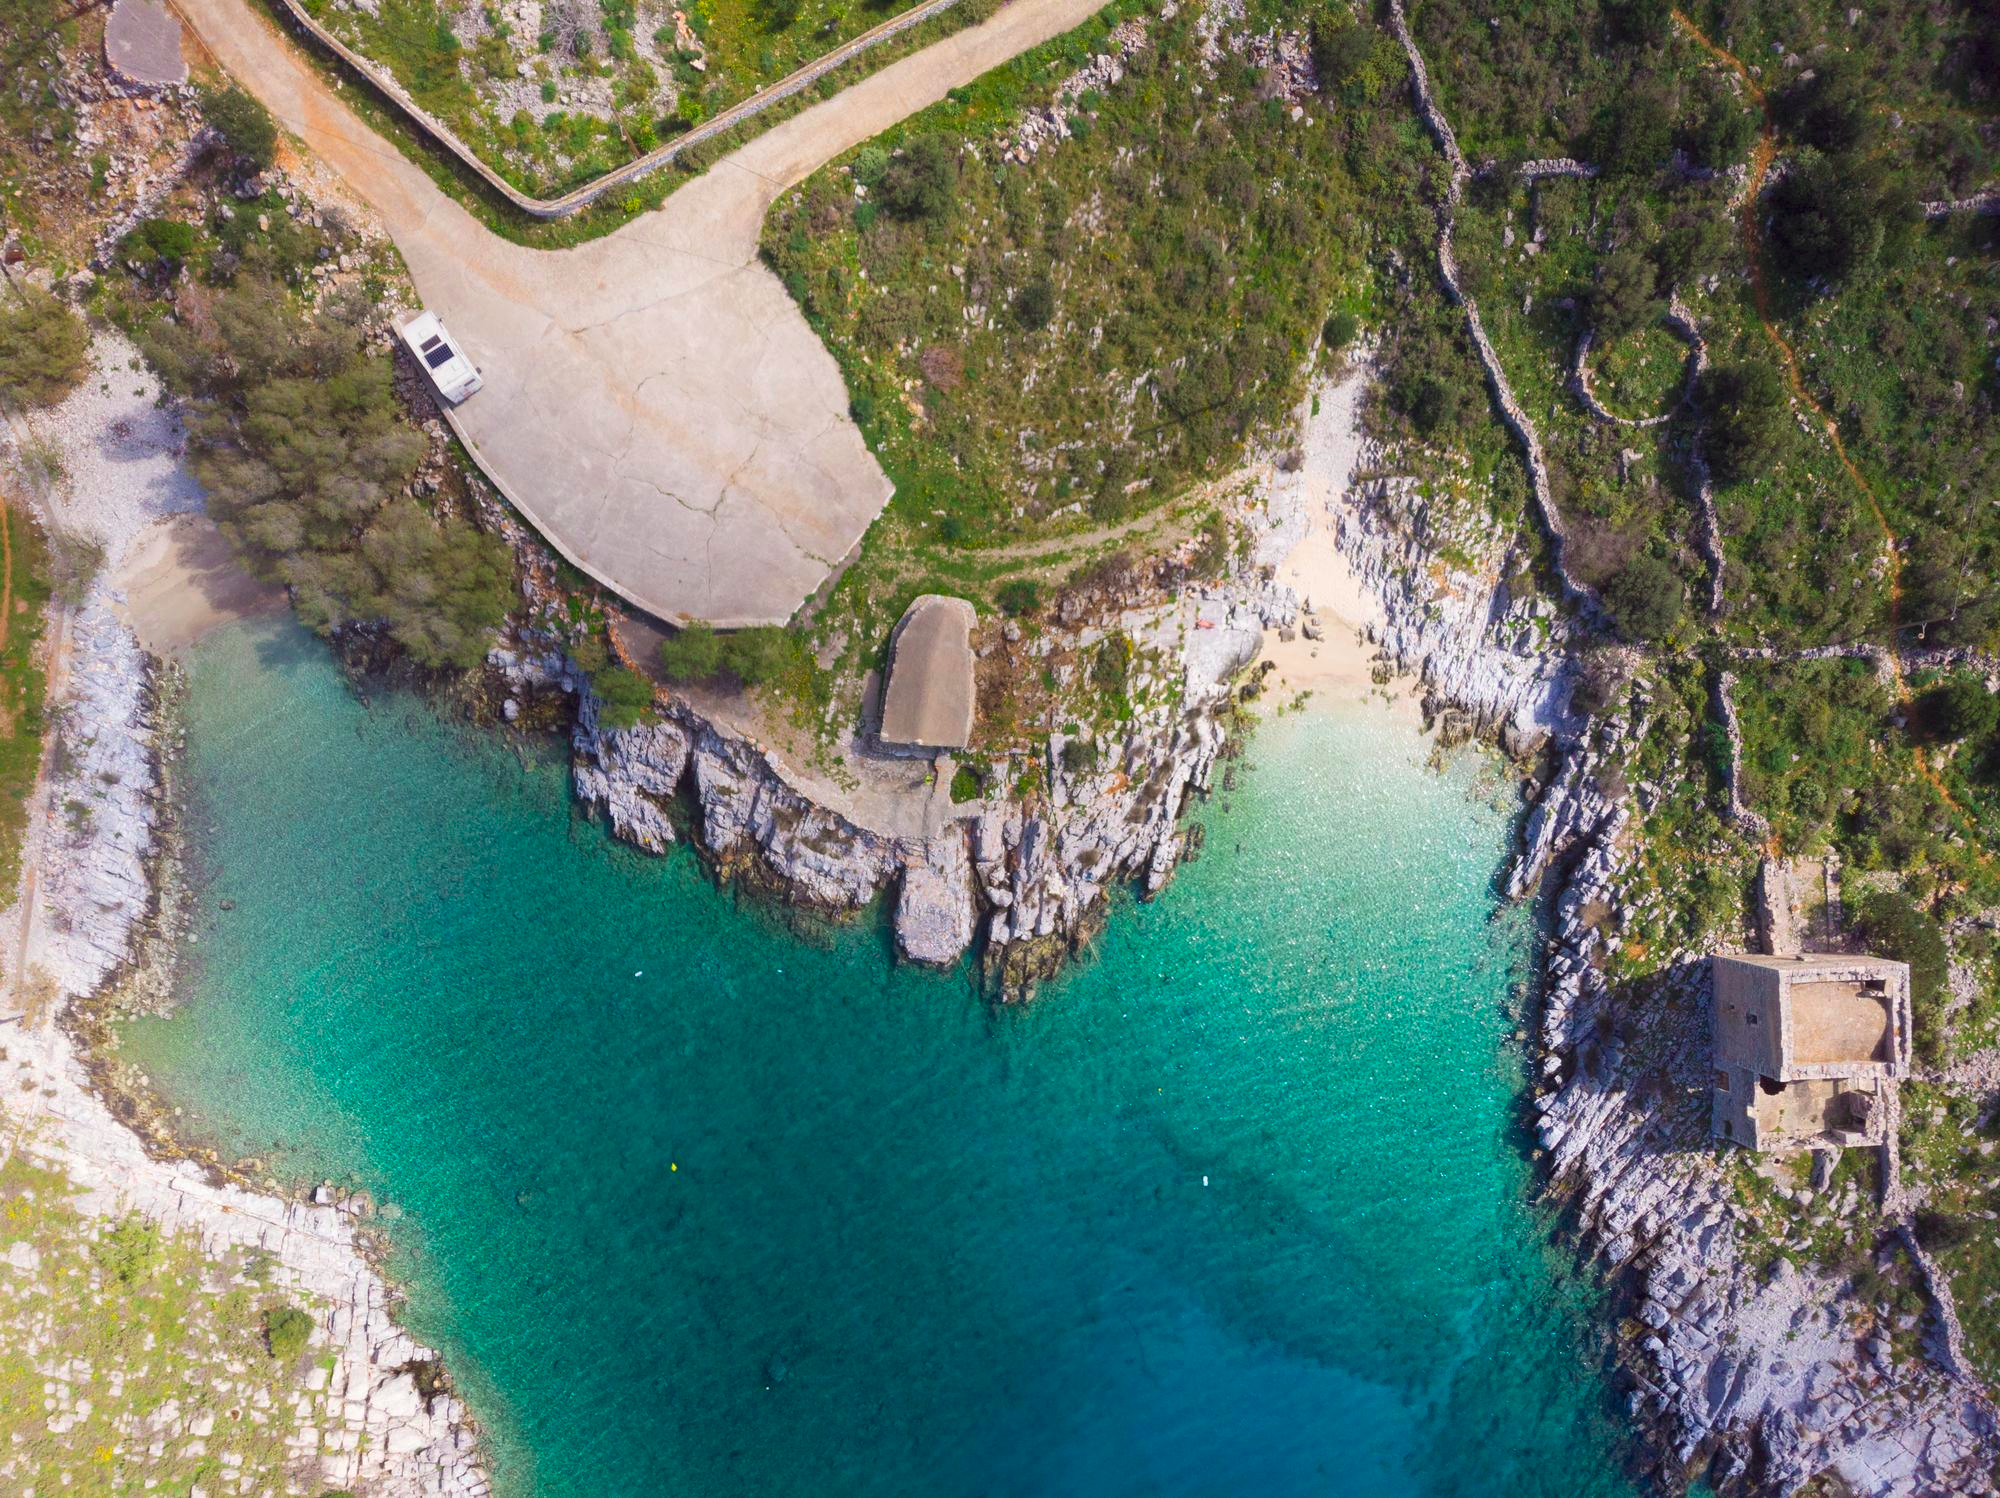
(654, 401)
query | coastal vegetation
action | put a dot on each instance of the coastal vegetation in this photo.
(306, 456)
(603, 81)
(43, 348)
(1059, 337)
(129, 1358)
(25, 590)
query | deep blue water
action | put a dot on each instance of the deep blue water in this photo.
(699, 1204)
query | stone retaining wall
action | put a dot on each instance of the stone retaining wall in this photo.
(582, 197)
(1517, 419)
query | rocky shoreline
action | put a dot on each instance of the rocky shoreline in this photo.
(92, 927)
(1026, 885)
(1754, 1377)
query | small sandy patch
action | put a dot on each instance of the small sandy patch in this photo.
(1339, 666)
(180, 580)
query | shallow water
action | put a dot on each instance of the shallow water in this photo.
(697, 1204)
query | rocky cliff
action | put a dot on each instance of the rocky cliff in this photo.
(1738, 1364)
(1031, 879)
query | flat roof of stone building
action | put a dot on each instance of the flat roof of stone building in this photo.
(928, 702)
(1811, 964)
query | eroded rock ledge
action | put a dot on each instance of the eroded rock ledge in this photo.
(1025, 882)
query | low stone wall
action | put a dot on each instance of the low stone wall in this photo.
(578, 198)
(1986, 200)
(1578, 593)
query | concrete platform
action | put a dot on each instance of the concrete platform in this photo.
(654, 401)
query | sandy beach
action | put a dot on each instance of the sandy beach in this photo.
(179, 580)
(1339, 666)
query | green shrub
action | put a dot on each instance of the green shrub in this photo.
(1430, 402)
(755, 657)
(966, 785)
(161, 239)
(922, 182)
(44, 349)
(244, 123)
(1625, 298)
(870, 164)
(1832, 218)
(129, 1251)
(1035, 305)
(1339, 331)
(287, 1330)
(1722, 129)
(1019, 596)
(1960, 707)
(1745, 407)
(623, 696)
(1645, 597)
(1340, 49)
(692, 653)
(1079, 756)
(1111, 666)
(1636, 133)
(1828, 107)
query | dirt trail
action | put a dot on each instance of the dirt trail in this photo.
(1753, 249)
(1788, 359)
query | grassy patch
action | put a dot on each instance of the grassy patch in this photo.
(23, 681)
(130, 1359)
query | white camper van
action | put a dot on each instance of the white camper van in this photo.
(450, 371)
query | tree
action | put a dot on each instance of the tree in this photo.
(1691, 244)
(1722, 128)
(1828, 107)
(622, 696)
(1019, 596)
(164, 239)
(1745, 406)
(1641, 22)
(1833, 218)
(1960, 707)
(1035, 304)
(244, 123)
(1340, 330)
(1645, 597)
(1428, 401)
(1624, 300)
(295, 432)
(1340, 49)
(757, 657)
(692, 653)
(287, 1329)
(44, 349)
(923, 181)
(1635, 134)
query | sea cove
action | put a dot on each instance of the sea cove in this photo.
(698, 1203)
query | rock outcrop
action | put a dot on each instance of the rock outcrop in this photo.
(1031, 878)
(1762, 1378)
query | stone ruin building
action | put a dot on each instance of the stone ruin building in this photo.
(1807, 1048)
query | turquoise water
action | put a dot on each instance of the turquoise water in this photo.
(697, 1204)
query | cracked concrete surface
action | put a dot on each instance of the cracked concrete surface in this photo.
(654, 401)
